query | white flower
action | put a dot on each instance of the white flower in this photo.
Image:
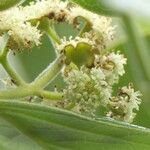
(74, 42)
(112, 65)
(123, 106)
(87, 89)
(22, 33)
(101, 29)
(41, 8)
(99, 79)
(119, 61)
(16, 21)
(25, 35)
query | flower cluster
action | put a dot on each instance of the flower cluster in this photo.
(90, 74)
(90, 88)
(86, 89)
(22, 33)
(90, 71)
(90, 81)
(113, 66)
(123, 105)
(17, 22)
(101, 30)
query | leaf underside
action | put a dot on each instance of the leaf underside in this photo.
(50, 128)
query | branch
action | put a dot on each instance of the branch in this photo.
(29, 90)
(18, 92)
(4, 61)
(49, 73)
(53, 35)
(50, 95)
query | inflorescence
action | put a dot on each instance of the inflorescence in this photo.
(90, 71)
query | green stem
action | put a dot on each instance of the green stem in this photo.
(53, 35)
(49, 73)
(138, 44)
(29, 90)
(50, 95)
(12, 73)
(86, 28)
(4, 61)
(18, 92)
(47, 26)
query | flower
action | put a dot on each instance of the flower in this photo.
(101, 29)
(74, 42)
(123, 106)
(16, 21)
(22, 34)
(54, 9)
(113, 66)
(87, 89)
(89, 71)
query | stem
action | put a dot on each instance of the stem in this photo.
(86, 28)
(33, 89)
(53, 35)
(12, 73)
(138, 44)
(50, 95)
(19, 92)
(29, 90)
(47, 26)
(4, 61)
(49, 73)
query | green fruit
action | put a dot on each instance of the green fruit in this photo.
(80, 55)
(69, 53)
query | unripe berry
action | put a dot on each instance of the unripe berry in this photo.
(80, 55)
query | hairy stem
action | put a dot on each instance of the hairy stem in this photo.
(36, 87)
(4, 61)
(50, 95)
(18, 92)
(53, 35)
(49, 73)
(47, 26)
(12, 73)
(28, 90)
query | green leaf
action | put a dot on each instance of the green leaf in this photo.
(58, 129)
(139, 8)
(5, 4)
(97, 6)
(11, 138)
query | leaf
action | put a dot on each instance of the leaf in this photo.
(97, 6)
(139, 8)
(5, 4)
(11, 138)
(58, 129)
